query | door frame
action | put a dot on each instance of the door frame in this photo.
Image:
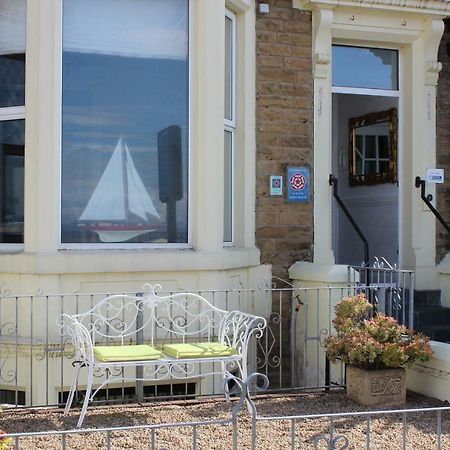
(417, 33)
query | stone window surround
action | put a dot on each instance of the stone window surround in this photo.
(415, 29)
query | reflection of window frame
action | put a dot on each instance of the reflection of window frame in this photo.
(230, 127)
(389, 118)
(361, 150)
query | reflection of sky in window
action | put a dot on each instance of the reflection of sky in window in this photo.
(106, 97)
(364, 67)
(131, 87)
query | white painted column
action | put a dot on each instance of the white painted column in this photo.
(42, 132)
(207, 140)
(322, 23)
(424, 76)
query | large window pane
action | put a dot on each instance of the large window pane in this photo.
(12, 53)
(361, 67)
(12, 146)
(125, 121)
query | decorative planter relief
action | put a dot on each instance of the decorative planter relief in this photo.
(376, 387)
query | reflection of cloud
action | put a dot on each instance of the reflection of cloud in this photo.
(77, 116)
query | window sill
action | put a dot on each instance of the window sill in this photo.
(123, 261)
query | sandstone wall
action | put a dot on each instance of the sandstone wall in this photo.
(284, 231)
(443, 144)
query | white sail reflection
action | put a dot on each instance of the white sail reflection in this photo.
(119, 191)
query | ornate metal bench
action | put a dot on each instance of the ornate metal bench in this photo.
(168, 336)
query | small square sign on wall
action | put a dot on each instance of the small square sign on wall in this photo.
(297, 182)
(276, 185)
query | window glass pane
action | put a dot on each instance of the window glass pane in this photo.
(383, 146)
(228, 68)
(228, 188)
(370, 150)
(12, 53)
(12, 146)
(125, 121)
(365, 67)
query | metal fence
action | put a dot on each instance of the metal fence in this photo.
(36, 360)
(424, 428)
(392, 289)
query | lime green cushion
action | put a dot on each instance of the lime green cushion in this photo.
(112, 353)
(199, 350)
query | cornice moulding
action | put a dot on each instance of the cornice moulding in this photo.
(427, 7)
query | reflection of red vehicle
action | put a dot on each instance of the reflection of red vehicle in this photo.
(120, 207)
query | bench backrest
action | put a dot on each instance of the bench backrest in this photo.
(152, 318)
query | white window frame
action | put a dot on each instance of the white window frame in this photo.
(230, 124)
(125, 245)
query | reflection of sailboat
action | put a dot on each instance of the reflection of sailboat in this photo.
(119, 192)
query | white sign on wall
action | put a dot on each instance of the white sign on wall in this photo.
(435, 175)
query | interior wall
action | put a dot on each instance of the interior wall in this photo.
(374, 208)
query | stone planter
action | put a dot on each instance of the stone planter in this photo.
(376, 387)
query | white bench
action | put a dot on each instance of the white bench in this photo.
(168, 336)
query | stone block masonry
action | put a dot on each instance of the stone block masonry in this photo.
(284, 130)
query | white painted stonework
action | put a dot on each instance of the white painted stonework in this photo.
(414, 29)
(44, 264)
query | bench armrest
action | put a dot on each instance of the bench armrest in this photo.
(80, 338)
(238, 327)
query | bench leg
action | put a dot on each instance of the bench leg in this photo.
(243, 369)
(72, 388)
(86, 398)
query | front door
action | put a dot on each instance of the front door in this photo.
(365, 152)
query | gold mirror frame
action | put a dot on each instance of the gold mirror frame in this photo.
(389, 176)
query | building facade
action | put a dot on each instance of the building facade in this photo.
(139, 140)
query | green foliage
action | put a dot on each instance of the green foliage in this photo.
(5, 443)
(373, 343)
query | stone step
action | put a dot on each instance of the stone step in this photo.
(431, 316)
(436, 333)
(428, 297)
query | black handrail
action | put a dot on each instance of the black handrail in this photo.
(334, 182)
(427, 200)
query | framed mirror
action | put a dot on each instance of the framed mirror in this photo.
(373, 148)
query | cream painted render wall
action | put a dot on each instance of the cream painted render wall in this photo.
(44, 265)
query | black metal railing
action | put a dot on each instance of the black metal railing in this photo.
(334, 182)
(427, 200)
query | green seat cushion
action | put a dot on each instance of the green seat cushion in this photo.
(111, 353)
(198, 350)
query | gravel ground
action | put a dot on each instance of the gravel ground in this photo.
(386, 431)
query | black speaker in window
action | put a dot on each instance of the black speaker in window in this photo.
(169, 164)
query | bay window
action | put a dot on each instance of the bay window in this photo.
(12, 119)
(125, 122)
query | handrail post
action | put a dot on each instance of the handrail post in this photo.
(419, 183)
(333, 181)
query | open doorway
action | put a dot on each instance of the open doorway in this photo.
(365, 152)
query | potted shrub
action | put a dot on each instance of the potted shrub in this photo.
(375, 349)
